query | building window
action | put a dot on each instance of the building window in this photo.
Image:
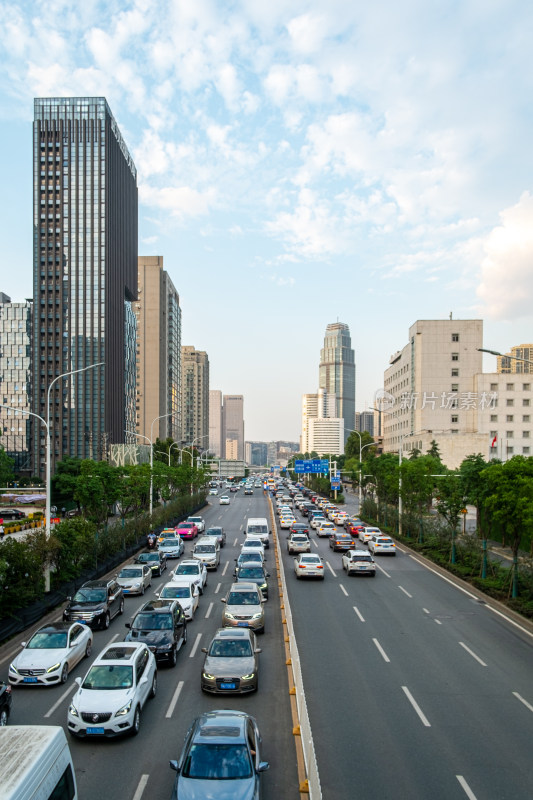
(455, 373)
(455, 387)
(526, 387)
(494, 387)
(526, 401)
(509, 387)
(526, 418)
(510, 450)
(492, 434)
(455, 356)
(509, 402)
(455, 418)
(525, 435)
(494, 418)
(454, 430)
(509, 434)
(455, 337)
(525, 451)
(510, 418)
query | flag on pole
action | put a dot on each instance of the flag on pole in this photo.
(494, 441)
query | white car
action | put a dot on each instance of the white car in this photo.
(367, 533)
(298, 543)
(213, 492)
(172, 548)
(134, 578)
(381, 544)
(185, 591)
(316, 521)
(199, 522)
(194, 570)
(112, 695)
(224, 500)
(51, 653)
(309, 565)
(358, 562)
(325, 528)
(255, 543)
(287, 521)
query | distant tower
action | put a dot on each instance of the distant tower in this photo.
(337, 372)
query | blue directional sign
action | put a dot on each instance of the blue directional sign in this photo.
(299, 466)
(335, 482)
(324, 465)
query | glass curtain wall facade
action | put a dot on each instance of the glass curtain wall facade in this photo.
(85, 268)
(15, 381)
(336, 372)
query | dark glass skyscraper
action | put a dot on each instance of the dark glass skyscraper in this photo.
(84, 275)
(337, 372)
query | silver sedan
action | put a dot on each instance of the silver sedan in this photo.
(231, 664)
(134, 578)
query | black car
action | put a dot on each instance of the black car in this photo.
(299, 527)
(341, 541)
(95, 604)
(155, 560)
(219, 532)
(162, 626)
(11, 513)
(251, 572)
(5, 703)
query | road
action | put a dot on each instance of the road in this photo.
(137, 769)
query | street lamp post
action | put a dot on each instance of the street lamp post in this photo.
(142, 436)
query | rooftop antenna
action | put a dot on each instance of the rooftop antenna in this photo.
(450, 314)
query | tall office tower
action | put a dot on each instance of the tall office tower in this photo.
(215, 422)
(255, 453)
(321, 405)
(233, 425)
(15, 380)
(336, 373)
(508, 365)
(158, 316)
(84, 277)
(195, 397)
(364, 421)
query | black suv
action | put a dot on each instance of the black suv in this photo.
(162, 626)
(95, 604)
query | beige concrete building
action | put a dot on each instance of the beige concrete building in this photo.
(508, 365)
(233, 425)
(195, 396)
(320, 405)
(326, 435)
(215, 422)
(505, 414)
(158, 357)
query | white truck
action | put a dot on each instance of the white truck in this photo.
(35, 763)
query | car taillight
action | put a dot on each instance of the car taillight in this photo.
(319, 566)
(302, 566)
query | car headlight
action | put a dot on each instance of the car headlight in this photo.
(164, 647)
(229, 616)
(100, 611)
(135, 585)
(12, 668)
(53, 669)
(258, 615)
(124, 710)
(208, 676)
(248, 677)
(72, 710)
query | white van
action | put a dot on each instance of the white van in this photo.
(35, 763)
(258, 527)
(207, 550)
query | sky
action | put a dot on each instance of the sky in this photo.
(299, 163)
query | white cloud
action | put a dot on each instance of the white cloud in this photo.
(307, 32)
(181, 202)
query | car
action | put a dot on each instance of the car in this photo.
(95, 604)
(51, 653)
(194, 570)
(341, 541)
(231, 664)
(135, 578)
(11, 513)
(339, 518)
(248, 490)
(185, 591)
(253, 543)
(252, 572)
(219, 532)
(253, 556)
(358, 562)
(367, 533)
(156, 560)
(187, 530)
(298, 543)
(299, 527)
(221, 757)
(167, 533)
(383, 545)
(172, 548)
(309, 565)
(244, 607)
(111, 696)
(325, 528)
(6, 700)
(315, 520)
(350, 525)
(162, 626)
(213, 492)
(198, 521)
(287, 521)
(224, 500)
(234, 489)
(207, 550)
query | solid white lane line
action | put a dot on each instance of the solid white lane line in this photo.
(343, 589)
(519, 697)
(438, 622)
(314, 543)
(235, 543)
(141, 787)
(444, 578)
(405, 591)
(468, 650)
(358, 613)
(425, 610)
(217, 590)
(383, 570)
(195, 646)
(226, 565)
(208, 612)
(467, 790)
(66, 693)
(382, 651)
(115, 637)
(175, 697)
(242, 526)
(416, 707)
(331, 569)
(508, 619)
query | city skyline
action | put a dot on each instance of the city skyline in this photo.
(303, 161)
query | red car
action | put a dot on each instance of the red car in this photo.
(352, 526)
(187, 530)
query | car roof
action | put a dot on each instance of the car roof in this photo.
(223, 726)
(243, 587)
(97, 584)
(359, 552)
(119, 651)
(157, 606)
(233, 633)
(54, 627)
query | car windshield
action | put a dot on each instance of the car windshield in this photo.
(130, 572)
(204, 548)
(109, 676)
(256, 529)
(251, 572)
(187, 525)
(187, 569)
(309, 560)
(44, 640)
(145, 621)
(243, 599)
(230, 648)
(179, 591)
(253, 543)
(213, 532)
(217, 762)
(361, 558)
(171, 543)
(90, 596)
(250, 557)
(194, 520)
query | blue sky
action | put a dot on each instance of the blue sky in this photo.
(299, 163)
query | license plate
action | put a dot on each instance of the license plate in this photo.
(362, 569)
(30, 680)
(242, 624)
(82, 621)
(95, 731)
(228, 686)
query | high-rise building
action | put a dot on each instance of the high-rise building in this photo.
(255, 453)
(158, 315)
(15, 381)
(508, 365)
(364, 421)
(336, 372)
(84, 277)
(321, 405)
(215, 423)
(195, 396)
(326, 435)
(233, 425)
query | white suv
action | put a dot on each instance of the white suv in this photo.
(112, 695)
